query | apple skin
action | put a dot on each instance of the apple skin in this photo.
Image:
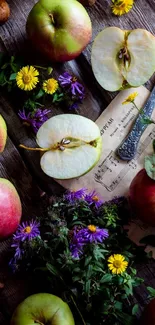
(10, 208)
(59, 29)
(142, 197)
(148, 315)
(3, 134)
(44, 308)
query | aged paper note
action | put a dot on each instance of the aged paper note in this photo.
(112, 176)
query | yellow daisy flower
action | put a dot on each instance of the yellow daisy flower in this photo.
(130, 98)
(121, 7)
(50, 86)
(117, 264)
(27, 78)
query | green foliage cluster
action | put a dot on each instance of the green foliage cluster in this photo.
(96, 294)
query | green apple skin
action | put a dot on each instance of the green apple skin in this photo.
(3, 133)
(59, 29)
(42, 309)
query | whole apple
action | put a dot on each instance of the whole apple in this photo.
(142, 197)
(59, 29)
(10, 208)
(42, 309)
(148, 316)
(3, 134)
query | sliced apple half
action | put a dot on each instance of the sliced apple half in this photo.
(122, 59)
(71, 146)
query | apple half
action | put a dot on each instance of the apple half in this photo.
(71, 146)
(122, 59)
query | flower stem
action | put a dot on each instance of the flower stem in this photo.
(78, 310)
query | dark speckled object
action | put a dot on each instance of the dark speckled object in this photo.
(128, 147)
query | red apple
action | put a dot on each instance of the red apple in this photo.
(59, 29)
(3, 134)
(10, 208)
(142, 197)
(148, 316)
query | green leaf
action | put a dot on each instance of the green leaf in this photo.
(49, 70)
(89, 271)
(135, 309)
(13, 76)
(149, 164)
(121, 316)
(147, 121)
(52, 269)
(106, 278)
(76, 278)
(151, 291)
(5, 65)
(87, 260)
(118, 305)
(87, 287)
(40, 94)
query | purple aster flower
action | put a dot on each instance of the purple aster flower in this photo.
(93, 198)
(91, 234)
(71, 196)
(76, 247)
(74, 106)
(34, 119)
(70, 82)
(26, 231)
(18, 250)
(13, 265)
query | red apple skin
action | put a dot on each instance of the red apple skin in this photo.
(3, 133)
(10, 208)
(148, 316)
(142, 197)
(59, 29)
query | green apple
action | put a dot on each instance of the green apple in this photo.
(71, 144)
(3, 133)
(42, 309)
(122, 59)
(59, 29)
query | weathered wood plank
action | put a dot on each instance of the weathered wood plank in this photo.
(13, 168)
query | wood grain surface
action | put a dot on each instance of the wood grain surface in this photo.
(22, 167)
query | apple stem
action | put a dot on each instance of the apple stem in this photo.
(33, 149)
(52, 18)
(38, 322)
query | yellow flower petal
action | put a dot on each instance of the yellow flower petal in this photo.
(27, 78)
(130, 98)
(117, 264)
(50, 86)
(121, 7)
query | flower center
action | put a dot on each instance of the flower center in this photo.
(95, 198)
(92, 228)
(27, 230)
(27, 78)
(117, 264)
(74, 79)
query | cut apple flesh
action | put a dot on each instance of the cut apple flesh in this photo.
(74, 146)
(123, 59)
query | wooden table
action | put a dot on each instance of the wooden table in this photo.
(22, 167)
